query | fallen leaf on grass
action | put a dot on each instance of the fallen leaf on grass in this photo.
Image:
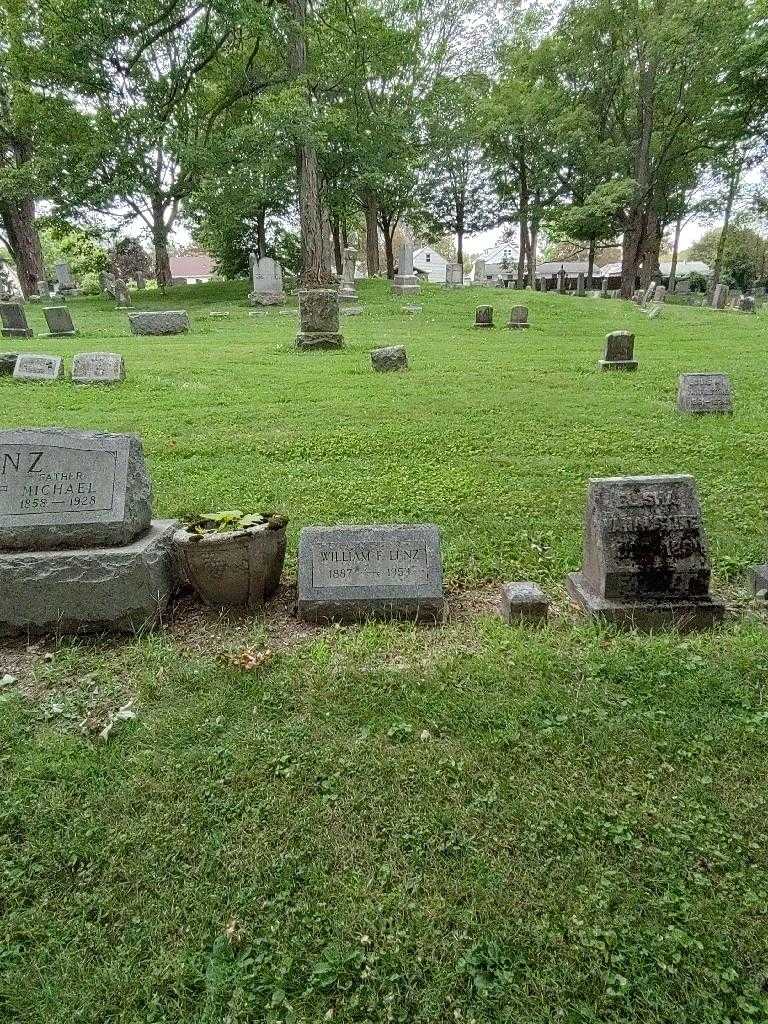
(248, 659)
(90, 725)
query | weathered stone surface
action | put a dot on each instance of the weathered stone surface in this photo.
(64, 276)
(347, 290)
(518, 318)
(43, 289)
(68, 488)
(561, 280)
(720, 296)
(319, 312)
(89, 590)
(405, 281)
(59, 321)
(160, 322)
(412, 310)
(98, 368)
(660, 293)
(267, 282)
(646, 560)
(702, 393)
(747, 304)
(604, 288)
(8, 363)
(351, 310)
(14, 321)
(650, 291)
(350, 573)
(581, 291)
(478, 272)
(483, 316)
(30, 366)
(523, 603)
(619, 352)
(758, 578)
(393, 357)
(454, 275)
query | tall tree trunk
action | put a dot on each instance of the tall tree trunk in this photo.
(337, 255)
(160, 243)
(524, 240)
(344, 234)
(651, 245)
(24, 242)
(591, 263)
(460, 221)
(388, 225)
(733, 186)
(532, 251)
(372, 234)
(261, 232)
(675, 250)
(633, 246)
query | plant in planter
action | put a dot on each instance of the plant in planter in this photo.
(231, 558)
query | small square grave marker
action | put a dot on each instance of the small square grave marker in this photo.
(702, 393)
(37, 367)
(523, 603)
(619, 352)
(518, 318)
(393, 357)
(98, 368)
(484, 316)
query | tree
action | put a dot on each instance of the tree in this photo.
(744, 256)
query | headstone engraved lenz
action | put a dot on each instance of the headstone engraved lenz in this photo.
(351, 573)
(14, 321)
(37, 367)
(98, 368)
(79, 551)
(702, 393)
(646, 559)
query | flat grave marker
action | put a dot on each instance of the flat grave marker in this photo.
(30, 366)
(98, 368)
(702, 393)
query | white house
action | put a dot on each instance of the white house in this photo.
(501, 259)
(430, 262)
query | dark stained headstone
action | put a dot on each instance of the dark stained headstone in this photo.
(393, 357)
(351, 573)
(518, 318)
(59, 320)
(619, 352)
(484, 316)
(646, 559)
(14, 320)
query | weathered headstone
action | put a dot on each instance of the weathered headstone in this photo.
(454, 275)
(646, 560)
(121, 293)
(659, 293)
(638, 297)
(30, 366)
(98, 368)
(267, 283)
(8, 363)
(478, 272)
(619, 352)
(319, 312)
(64, 276)
(523, 603)
(107, 283)
(720, 296)
(160, 322)
(78, 549)
(518, 318)
(655, 312)
(604, 288)
(347, 290)
(747, 304)
(581, 291)
(683, 287)
(59, 321)
(405, 282)
(561, 279)
(43, 289)
(702, 393)
(483, 316)
(141, 282)
(14, 320)
(350, 573)
(393, 357)
(649, 292)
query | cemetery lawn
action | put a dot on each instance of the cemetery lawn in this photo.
(392, 823)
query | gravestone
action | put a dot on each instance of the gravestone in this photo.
(412, 310)
(654, 312)
(638, 296)
(702, 393)
(720, 296)
(30, 366)
(683, 287)
(79, 551)
(98, 368)
(619, 352)
(649, 292)
(405, 282)
(393, 357)
(660, 293)
(121, 293)
(483, 316)
(478, 272)
(561, 279)
(350, 310)
(747, 304)
(319, 312)
(581, 291)
(518, 318)
(646, 560)
(141, 282)
(454, 275)
(107, 283)
(59, 321)
(64, 276)
(43, 289)
(14, 320)
(267, 283)
(347, 290)
(523, 603)
(351, 573)
(8, 363)
(604, 288)
(161, 322)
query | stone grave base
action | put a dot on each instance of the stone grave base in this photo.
(17, 332)
(406, 285)
(685, 615)
(416, 609)
(347, 295)
(266, 298)
(516, 327)
(89, 590)
(617, 364)
(319, 340)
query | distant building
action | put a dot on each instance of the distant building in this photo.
(195, 269)
(431, 263)
(502, 259)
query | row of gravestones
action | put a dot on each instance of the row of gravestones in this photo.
(80, 552)
(60, 323)
(87, 367)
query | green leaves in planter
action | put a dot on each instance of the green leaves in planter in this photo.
(232, 521)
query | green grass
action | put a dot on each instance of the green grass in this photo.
(388, 822)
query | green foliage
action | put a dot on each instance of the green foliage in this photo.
(84, 250)
(228, 522)
(745, 259)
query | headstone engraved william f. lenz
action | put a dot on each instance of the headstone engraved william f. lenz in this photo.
(646, 559)
(79, 551)
(350, 573)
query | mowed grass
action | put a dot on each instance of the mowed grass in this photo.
(388, 822)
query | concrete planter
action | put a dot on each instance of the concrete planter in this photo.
(238, 568)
